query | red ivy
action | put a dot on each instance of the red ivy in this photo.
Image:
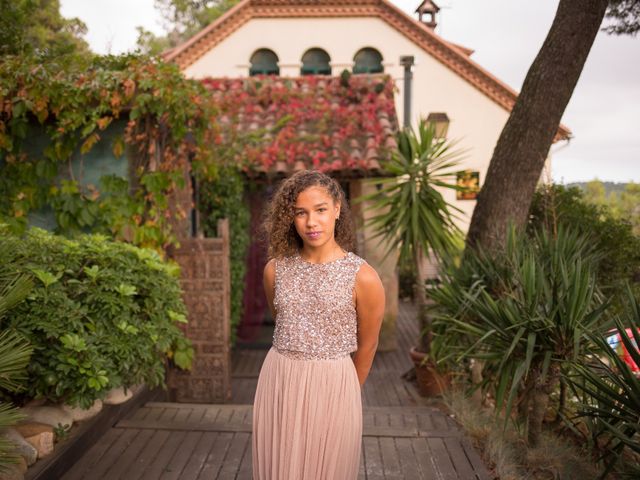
(329, 123)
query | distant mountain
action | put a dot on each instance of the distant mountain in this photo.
(608, 186)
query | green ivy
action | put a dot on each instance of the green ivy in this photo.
(223, 197)
(102, 314)
(168, 121)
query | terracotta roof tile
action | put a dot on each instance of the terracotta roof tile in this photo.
(327, 123)
(455, 57)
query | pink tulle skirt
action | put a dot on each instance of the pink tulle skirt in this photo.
(307, 419)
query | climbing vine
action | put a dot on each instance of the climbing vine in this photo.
(319, 120)
(166, 119)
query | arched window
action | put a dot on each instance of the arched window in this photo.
(264, 62)
(368, 60)
(315, 61)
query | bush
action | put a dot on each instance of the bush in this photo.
(613, 238)
(102, 314)
(610, 392)
(527, 312)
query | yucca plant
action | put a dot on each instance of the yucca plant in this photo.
(527, 312)
(15, 353)
(612, 390)
(411, 215)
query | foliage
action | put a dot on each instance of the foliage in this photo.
(103, 314)
(612, 399)
(627, 15)
(410, 215)
(14, 357)
(36, 27)
(184, 18)
(168, 121)
(622, 200)
(314, 119)
(527, 312)
(223, 197)
(556, 205)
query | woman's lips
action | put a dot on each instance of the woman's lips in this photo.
(313, 235)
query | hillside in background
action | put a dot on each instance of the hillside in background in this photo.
(609, 187)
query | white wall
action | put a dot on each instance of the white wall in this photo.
(476, 121)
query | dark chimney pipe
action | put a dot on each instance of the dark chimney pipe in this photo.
(407, 62)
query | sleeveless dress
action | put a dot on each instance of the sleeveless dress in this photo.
(307, 411)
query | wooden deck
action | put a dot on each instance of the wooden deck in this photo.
(404, 437)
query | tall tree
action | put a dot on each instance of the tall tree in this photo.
(183, 18)
(36, 26)
(523, 145)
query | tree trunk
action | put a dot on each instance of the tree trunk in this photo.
(539, 401)
(521, 150)
(424, 322)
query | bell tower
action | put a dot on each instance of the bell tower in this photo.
(428, 9)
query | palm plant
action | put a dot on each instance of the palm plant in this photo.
(527, 312)
(612, 390)
(15, 353)
(411, 215)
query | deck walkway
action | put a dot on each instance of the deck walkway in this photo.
(404, 437)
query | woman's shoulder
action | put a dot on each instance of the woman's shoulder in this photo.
(366, 274)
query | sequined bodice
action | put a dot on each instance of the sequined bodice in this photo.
(316, 315)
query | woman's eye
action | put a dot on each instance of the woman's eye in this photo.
(321, 209)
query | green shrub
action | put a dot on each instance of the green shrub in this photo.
(527, 312)
(102, 314)
(613, 238)
(611, 392)
(14, 357)
(224, 198)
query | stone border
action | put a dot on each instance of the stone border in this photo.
(69, 451)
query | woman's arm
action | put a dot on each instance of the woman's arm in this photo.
(269, 281)
(370, 309)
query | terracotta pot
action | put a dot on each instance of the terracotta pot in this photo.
(431, 383)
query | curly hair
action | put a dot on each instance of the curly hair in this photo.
(279, 225)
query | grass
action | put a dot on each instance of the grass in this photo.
(506, 453)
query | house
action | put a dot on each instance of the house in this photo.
(434, 78)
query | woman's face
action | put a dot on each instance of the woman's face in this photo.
(315, 216)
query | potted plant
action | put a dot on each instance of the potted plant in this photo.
(411, 216)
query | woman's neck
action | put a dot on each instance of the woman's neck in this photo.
(322, 254)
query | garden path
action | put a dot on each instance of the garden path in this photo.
(405, 436)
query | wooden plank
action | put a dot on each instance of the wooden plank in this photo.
(165, 454)
(213, 463)
(362, 474)
(424, 459)
(121, 467)
(182, 414)
(186, 426)
(199, 456)
(407, 458)
(442, 460)
(174, 468)
(390, 461)
(148, 455)
(372, 459)
(231, 464)
(95, 453)
(245, 471)
(478, 465)
(459, 458)
(110, 458)
(381, 419)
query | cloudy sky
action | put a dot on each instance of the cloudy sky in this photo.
(506, 36)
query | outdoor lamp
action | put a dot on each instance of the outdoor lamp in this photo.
(441, 122)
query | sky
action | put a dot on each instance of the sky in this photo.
(506, 36)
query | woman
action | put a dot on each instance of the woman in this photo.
(327, 303)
